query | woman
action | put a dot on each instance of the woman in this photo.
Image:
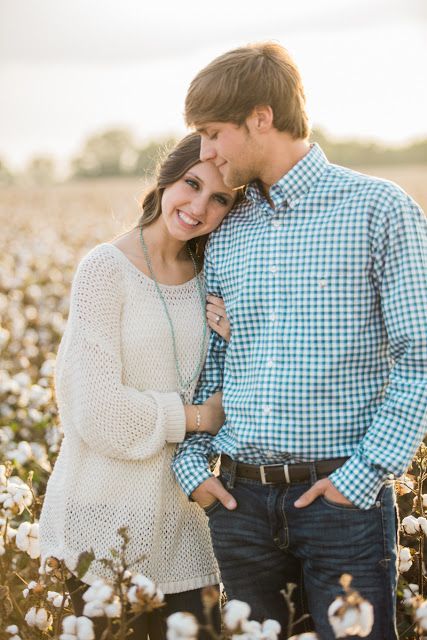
(126, 371)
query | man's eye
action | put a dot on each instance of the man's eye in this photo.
(213, 136)
(193, 184)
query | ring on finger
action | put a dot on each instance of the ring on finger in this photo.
(218, 319)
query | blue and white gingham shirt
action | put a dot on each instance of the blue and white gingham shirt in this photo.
(327, 297)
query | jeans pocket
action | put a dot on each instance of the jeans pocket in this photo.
(337, 505)
(211, 507)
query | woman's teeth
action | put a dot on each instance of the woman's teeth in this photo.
(187, 219)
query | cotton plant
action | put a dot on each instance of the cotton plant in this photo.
(350, 614)
(39, 617)
(27, 539)
(77, 628)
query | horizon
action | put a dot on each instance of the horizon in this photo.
(69, 71)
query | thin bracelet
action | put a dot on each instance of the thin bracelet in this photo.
(198, 420)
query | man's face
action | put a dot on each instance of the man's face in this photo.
(233, 150)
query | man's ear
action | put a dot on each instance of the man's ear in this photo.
(261, 119)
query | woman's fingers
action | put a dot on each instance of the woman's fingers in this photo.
(219, 302)
(216, 310)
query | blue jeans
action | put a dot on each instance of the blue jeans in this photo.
(267, 542)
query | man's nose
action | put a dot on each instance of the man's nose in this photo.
(207, 151)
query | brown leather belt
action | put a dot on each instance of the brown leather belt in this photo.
(282, 473)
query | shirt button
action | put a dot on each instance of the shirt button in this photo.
(273, 268)
(270, 362)
(276, 224)
(266, 410)
(322, 283)
(273, 317)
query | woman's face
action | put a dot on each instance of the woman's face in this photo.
(197, 203)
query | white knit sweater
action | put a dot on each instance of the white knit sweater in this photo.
(116, 391)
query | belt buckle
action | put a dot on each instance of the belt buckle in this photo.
(285, 473)
(262, 472)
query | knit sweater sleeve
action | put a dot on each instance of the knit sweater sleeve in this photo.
(116, 420)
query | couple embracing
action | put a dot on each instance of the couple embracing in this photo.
(312, 386)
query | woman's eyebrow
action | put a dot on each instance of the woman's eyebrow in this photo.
(218, 193)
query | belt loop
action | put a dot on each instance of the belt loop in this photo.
(313, 472)
(231, 474)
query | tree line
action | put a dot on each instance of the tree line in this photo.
(115, 152)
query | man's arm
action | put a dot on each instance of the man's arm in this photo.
(191, 461)
(400, 273)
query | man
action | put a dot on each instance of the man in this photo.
(323, 272)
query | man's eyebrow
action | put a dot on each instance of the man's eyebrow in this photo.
(201, 130)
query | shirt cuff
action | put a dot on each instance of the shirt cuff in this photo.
(174, 417)
(190, 476)
(359, 481)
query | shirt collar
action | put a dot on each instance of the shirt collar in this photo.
(296, 183)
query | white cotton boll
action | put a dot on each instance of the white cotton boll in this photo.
(366, 619)
(6, 436)
(15, 497)
(351, 620)
(2, 547)
(405, 559)
(423, 524)
(22, 379)
(99, 591)
(69, 625)
(93, 609)
(235, 612)
(30, 586)
(182, 625)
(3, 479)
(38, 617)
(409, 593)
(56, 599)
(4, 337)
(145, 584)
(270, 629)
(410, 525)
(85, 629)
(27, 539)
(12, 629)
(22, 454)
(421, 616)
(39, 396)
(113, 609)
(48, 368)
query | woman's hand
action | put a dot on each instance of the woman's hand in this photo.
(217, 317)
(212, 415)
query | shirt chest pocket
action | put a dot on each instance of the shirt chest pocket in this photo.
(328, 303)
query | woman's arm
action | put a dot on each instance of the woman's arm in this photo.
(208, 417)
(114, 419)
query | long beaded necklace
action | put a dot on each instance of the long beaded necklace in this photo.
(182, 384)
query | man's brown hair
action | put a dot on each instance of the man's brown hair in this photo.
(232, 85)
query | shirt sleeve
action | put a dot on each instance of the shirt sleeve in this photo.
(113, 418)
(399, 248)
(191, 461)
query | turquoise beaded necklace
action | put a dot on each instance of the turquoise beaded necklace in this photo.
(182, 384)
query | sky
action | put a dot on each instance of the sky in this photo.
(72, 68)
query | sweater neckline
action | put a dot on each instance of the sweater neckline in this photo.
(144, 275)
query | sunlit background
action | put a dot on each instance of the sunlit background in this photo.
(72, 68)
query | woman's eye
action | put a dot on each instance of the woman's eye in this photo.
(193, 184)
(223, 201)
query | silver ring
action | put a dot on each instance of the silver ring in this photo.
(218, 319)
